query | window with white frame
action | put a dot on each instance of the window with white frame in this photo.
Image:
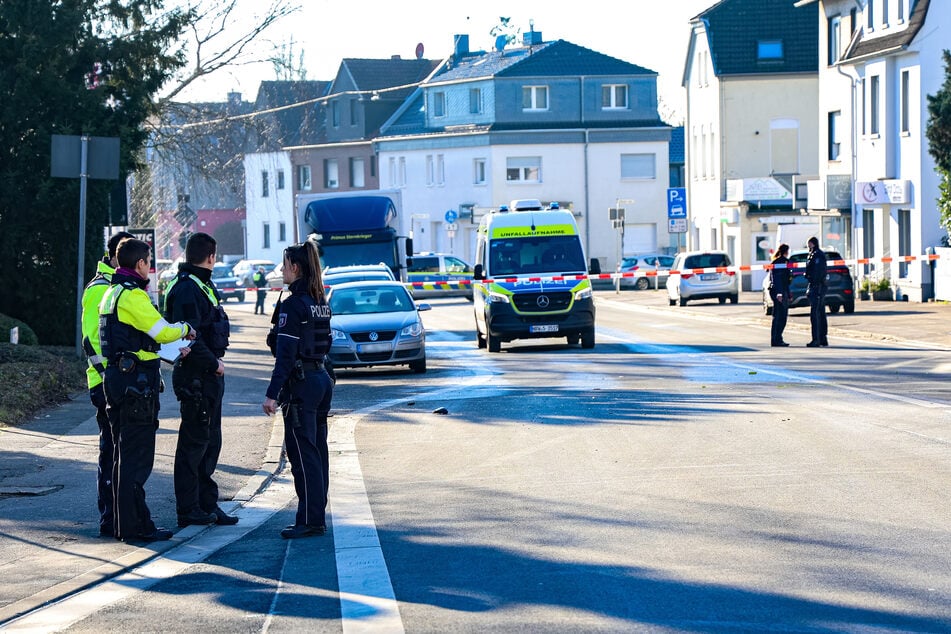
(282, 232)
(353, 112)
(873, 105)
(884, 12)
(703, 151)
(303, 178)
(639, 166)
(475, 101)
(280, 180)
(265, 184)
(834, 25)
(870, 15)
(614, 96)
(335, 113)
(357, 172)
(905, 102)
(835, 146)
(439, 104)
(402, 172)
(694, 144)
(535, 98)
(266, 236)
(430, 171)
(523, 169)
(440, 169)
(864, 107)
(901, 11)
(392, 170)
(331, 174)
(478, 168)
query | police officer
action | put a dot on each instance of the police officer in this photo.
(300, 383)
(130, 331)
(198, 381)
(779, 278)
(96, 367)
(816, 292)
(260, 281)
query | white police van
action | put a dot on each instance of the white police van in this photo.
(519, 249)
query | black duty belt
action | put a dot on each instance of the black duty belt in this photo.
(312, 365)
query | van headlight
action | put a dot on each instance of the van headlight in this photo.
(498, 298)
(338, 335)
(584, 293)
(413, 330)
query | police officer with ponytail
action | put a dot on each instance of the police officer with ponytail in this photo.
(130, 331)
(301, 385)
(199, 383)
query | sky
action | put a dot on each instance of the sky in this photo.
(650, 34)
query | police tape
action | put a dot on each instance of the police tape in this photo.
(732, 270)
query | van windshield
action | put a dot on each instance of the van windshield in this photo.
(533, 255)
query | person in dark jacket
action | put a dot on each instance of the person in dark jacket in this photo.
(779, 278)
(260, 281)
(300, 383)
(816, 292)
(198, 382)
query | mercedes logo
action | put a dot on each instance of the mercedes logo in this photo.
(543, 301)
(374, 336)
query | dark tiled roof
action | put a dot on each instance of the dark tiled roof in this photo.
(863, 47)
(376, 74)
(548, 59)
(564, 59)
(734, 27)
(293, 126)
(676, 146)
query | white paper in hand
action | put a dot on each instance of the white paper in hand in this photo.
(171, 352)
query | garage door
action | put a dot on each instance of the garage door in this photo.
(640, 238)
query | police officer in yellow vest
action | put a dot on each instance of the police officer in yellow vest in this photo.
(130, 331)
(199, 384)
(96, 367)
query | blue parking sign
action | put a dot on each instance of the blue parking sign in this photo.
(676, 202)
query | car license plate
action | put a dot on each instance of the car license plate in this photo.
(374, 347)
(709, 277)
(544, 328)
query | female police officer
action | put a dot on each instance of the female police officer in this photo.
(301, 384)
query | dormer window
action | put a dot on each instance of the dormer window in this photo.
(614, 97)
(439, 104)
(535, 98)
(769, 50)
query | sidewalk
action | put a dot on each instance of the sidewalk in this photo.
(920, 324)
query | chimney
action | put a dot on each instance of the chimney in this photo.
(531, 38)
(460, 45)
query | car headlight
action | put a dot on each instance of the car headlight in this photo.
(413, 330)
(338, 334)
(498, 298)
(584, 293)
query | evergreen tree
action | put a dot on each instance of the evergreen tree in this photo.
(939, 140)
(50, 53)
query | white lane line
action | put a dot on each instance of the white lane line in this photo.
(74, 608)
(367, 601)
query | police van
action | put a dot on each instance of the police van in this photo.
(519, 249)
(439, 275)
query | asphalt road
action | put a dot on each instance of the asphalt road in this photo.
(681, 476)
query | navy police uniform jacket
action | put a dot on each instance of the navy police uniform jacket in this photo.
(302, 332)
(193, 298)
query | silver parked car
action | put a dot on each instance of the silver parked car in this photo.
(685, 285)
(356, 273)
(376, 323)
(645, 270)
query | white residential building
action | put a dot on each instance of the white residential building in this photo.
(270, 224)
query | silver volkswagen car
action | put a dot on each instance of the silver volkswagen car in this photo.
(376, 323)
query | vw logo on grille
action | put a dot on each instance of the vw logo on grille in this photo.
(374, 336)
(543, 301)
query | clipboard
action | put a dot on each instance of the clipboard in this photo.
(171, 352)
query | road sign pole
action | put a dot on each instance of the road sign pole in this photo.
(83, 175)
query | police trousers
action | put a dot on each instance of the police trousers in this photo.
(104, 499)
(199, 440)
(132, 404)
(817, 312)
(305, 440)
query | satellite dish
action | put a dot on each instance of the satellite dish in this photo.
(419, 51)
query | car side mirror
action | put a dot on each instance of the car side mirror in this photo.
(595, 268)
(478, 273)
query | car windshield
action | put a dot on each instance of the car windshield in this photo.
(221, 270)
(544, 254)
(362, 300)
(330, 280)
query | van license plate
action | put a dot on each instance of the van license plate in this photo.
(545, 328)
(709, 276)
